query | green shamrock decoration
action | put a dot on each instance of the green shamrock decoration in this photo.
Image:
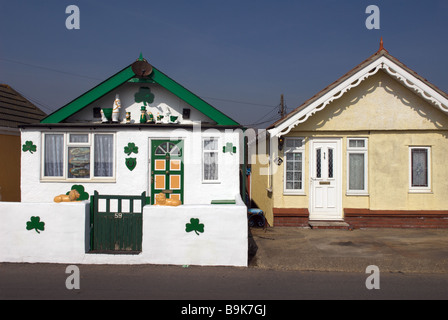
(130, 148)
(82, 194)
(35, 224)
(195, 226)
(144, 95)
(229, 148)
(29, 146)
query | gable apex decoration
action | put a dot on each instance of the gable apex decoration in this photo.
(381, 60)
(148, 73)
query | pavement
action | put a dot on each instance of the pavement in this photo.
(391, 250)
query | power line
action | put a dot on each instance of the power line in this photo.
(50, 69)
(240, 102)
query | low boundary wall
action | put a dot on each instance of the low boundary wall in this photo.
(214, 235)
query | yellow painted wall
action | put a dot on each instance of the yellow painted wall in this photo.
(393, 118)
(10, 151)
(259, 185)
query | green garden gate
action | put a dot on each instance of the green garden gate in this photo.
(116, 223)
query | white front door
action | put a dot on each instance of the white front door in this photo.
(325, 179)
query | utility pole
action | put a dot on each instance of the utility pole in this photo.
(282, 107)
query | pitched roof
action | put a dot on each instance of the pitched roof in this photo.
(15, 110)
(127, 74)
(380, 60)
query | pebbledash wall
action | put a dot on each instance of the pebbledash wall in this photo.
(127, 182)
(60, 233)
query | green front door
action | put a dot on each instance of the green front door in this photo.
(167, 169)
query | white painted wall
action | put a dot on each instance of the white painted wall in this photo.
(164, 101)
(63, 240)
(135, 182)
(165, 241)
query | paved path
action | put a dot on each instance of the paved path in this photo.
(392, 250)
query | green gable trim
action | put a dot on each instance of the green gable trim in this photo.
(126, 75)
(90, 96)
(191, 98)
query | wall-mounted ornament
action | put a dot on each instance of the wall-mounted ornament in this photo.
(131, 163)
(35, 224)
(144, 95)
(131, 148)
(195, 226)
(29, 146)
(141, 67)
(229, 148)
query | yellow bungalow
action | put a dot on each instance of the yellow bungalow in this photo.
(368, 150)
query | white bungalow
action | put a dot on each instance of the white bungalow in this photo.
(134, 136)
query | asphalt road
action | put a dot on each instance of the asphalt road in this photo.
(251, 285)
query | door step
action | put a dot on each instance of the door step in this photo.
(329, 225)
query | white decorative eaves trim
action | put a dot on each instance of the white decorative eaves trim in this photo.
(355, 80)
(422, 91)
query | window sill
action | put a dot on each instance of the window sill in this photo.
(211, 182)
(420, 191)
(294, 193)
(80, 181)
(357, 194)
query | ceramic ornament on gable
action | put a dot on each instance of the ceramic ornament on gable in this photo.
(170, 118)
(116, 109)
(143, 114)
(150, 117)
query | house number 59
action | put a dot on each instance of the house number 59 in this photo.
(118, 215)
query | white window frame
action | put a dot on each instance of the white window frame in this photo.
(203, 151)
(358, 150)
(68, 144)
(420, 189)
(301, 150)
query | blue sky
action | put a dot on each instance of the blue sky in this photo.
(240, 56)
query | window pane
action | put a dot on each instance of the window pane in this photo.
(419, 167)
(54, 155)
(78, 162)
(211, 144)
(293, 143)
(318, 163)
(356, 171)
(103, 155)
(353, 143)
(330, 163)
(293, 171)
(78, 138)
(210, 166)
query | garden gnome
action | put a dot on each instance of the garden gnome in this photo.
(143, 115)
(150, 117)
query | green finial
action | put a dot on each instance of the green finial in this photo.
(140, 58)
